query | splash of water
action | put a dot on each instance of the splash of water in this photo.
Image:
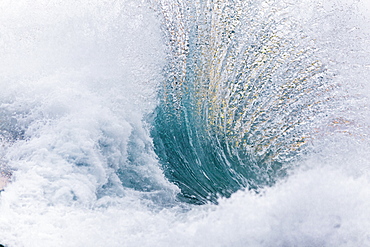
(265, 95)
(247, 90)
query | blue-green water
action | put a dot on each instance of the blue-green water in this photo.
(242, 88)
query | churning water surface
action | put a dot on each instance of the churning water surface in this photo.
(185, 123)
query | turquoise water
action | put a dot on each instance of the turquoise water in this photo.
(184, 123)
(242, 108)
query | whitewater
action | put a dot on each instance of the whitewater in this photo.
(185, 123)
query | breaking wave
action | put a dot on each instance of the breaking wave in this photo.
(184, 123)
